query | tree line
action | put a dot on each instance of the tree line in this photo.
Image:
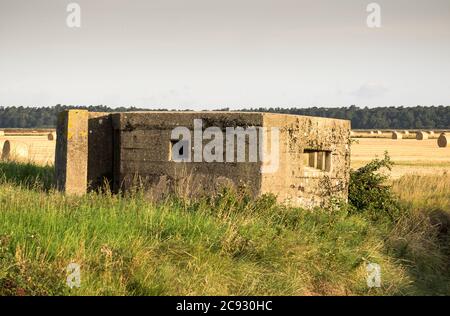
(432, 117)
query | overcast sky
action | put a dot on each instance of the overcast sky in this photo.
(207, 54)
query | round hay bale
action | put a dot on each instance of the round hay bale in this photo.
(406, 132)
(42, 152)
(51, 136)
(14, 151)
(379, 133)
(396, 135)
(443, 140)
(422, 135)
(372, 132)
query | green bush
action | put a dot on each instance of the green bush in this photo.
(369, 191)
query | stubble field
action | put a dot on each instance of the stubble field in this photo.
(410, 156)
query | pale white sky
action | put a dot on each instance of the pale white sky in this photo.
(207, 54)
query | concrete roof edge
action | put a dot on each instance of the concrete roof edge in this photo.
(232, 112)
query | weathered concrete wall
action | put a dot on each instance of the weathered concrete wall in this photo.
(135, 149)
(84, 151)
(314, 159)
(143, 154)
(100, 150)
(71, 159)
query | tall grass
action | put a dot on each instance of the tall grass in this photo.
(27, 175)
(230, 244)
(425, 233)
(424, 192)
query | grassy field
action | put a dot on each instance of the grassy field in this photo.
(410, 156)
(226, 245)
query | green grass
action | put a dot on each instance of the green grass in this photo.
(410, 163)
(425, 192)
(227, 245)
(27, 175)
